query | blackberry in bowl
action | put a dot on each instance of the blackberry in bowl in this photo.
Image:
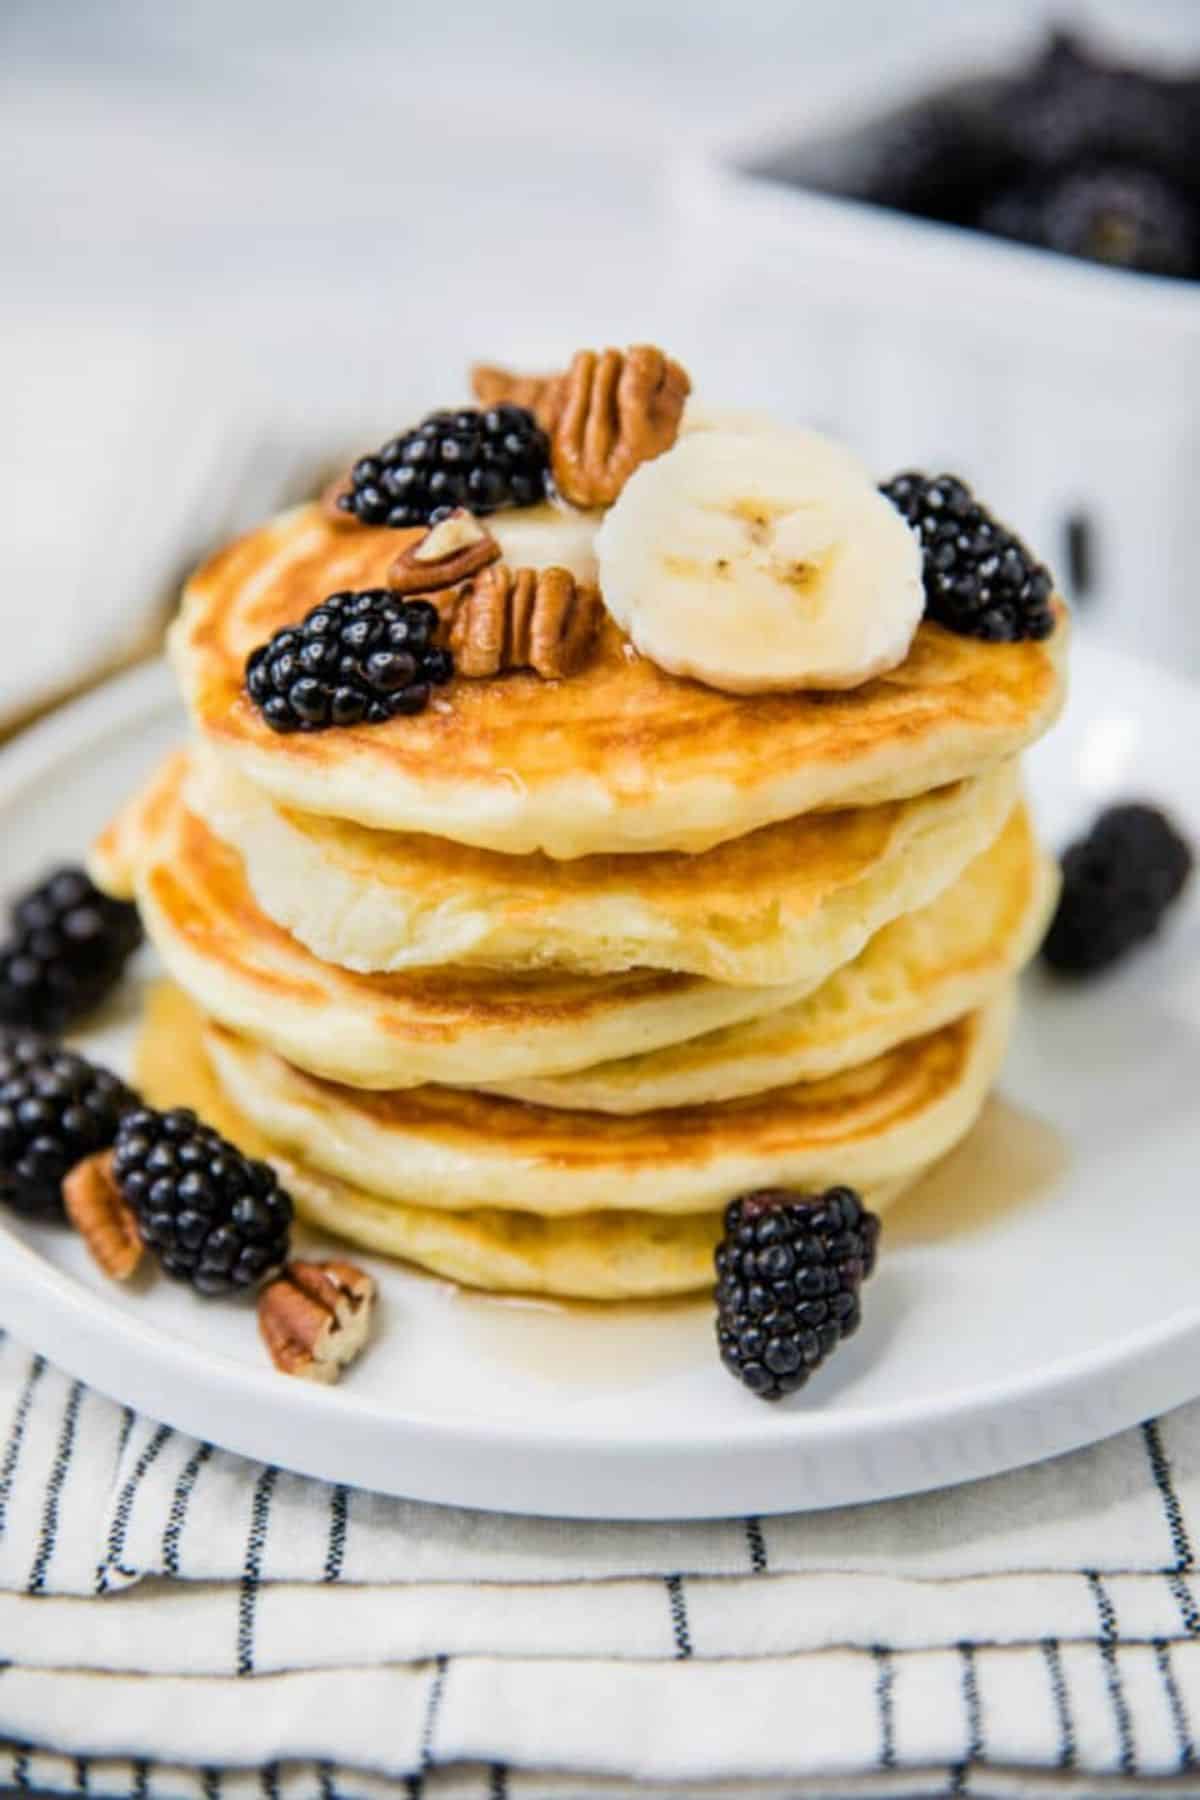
(1127, 217)
(1073, 150)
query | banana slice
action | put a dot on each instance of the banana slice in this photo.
(547, 537)
(759, 561)
(698, 417)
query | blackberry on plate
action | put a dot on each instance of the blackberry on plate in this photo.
(980, 580)
(56, 1108)
(357, 657)
(67, 948)
(1127, 217)
(1118, 882)
(211, 1216)
(480, 459)
(789, 1269)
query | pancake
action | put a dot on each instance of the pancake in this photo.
(621, 757)
(915, 975)
(452, 1149)
(588, 1256)
(383, 1031)
(785, 905)
(464, 1026)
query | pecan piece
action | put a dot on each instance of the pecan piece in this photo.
(451, 550)
(610, 411)
(540, 619)
(542, 395)
(315, 1317)
(102, 1216)
(621, 409)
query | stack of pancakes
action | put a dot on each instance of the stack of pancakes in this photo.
(524, 989)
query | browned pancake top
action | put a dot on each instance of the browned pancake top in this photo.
(621, 719)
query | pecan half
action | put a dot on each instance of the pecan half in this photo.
(315, 1317)
(505, 619)
(102, 1216)
(542, 395)
(450, 551)
(610, 411)
(621, 408)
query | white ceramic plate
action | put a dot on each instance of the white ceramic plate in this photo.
(1040, 1292)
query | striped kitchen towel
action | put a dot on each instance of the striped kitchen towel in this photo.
(179, 1621)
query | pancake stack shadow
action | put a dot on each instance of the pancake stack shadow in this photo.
(525, 989)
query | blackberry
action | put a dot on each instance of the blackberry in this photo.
(68, 946)
(356, 657)
(482, 460)
(980, 580)
(788, 1273)
(1118, 882)
(55, 1109)
(938, 160)
(1014, 213)
(212, 1217)
(1127, 217)
(1073, 108)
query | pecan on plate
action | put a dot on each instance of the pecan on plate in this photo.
(102, 1216)
(315, 1317)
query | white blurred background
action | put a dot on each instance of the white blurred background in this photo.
(237, 235)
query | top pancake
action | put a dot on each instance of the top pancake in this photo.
(621, 757)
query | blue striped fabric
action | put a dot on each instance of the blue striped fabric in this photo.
(176, 1620)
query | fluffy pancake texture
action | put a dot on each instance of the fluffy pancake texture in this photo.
(451, 1025)
(462, 1025)
(621, 757)
(918, 973)
(785, 905)
(454, 1149)
(618, 1255)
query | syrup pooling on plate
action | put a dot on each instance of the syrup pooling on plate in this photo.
(1011, 1158)
(576, 1346)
